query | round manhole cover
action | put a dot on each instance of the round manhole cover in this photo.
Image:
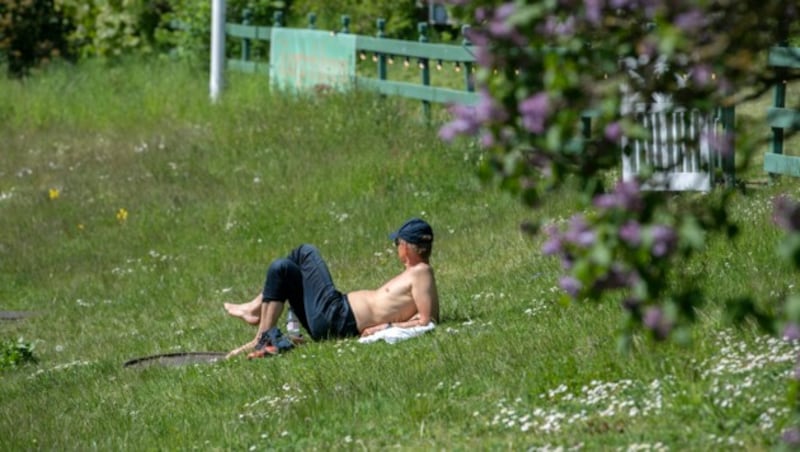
(14, 315)
(176, 359)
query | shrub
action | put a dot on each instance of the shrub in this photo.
(31, 33)
(15, 353)
(186, 28)
(401, 16)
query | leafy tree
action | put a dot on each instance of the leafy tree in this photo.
(106, 28)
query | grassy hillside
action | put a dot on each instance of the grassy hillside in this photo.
(131, 209)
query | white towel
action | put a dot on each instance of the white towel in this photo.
(397, 334)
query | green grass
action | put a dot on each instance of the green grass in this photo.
(214, 192)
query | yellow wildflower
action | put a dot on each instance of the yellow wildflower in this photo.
(122, 215)
(53, 193)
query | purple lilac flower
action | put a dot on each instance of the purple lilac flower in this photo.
(656, 322)
(721, 143)
(594, 11)
(786, 213)
(570, 285)
(469, 118)
(481, 14)
(631, 233)
(796, 372)
(553, 245)
(664, 239)
(650, 7)
(488, 109)
(613, 132)
(791, 436)
(626, 196)
(691, 21)
(498, 25)
(579, 232)
(702, 75)
(555, 26)
(534, 111)
(477, 37)
(791, 332)
(605, 201)
(487, 139)
(465, 123)
(629, 195)
(484, 56)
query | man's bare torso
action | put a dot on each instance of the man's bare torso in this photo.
(394, 301)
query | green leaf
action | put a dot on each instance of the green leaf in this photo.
(601, 254)
(692, 233)
(793, 308)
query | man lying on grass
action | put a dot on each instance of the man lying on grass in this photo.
(407, 300)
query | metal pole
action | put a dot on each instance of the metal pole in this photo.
(217, 48)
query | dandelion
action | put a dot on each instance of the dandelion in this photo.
(122, 215)
(53, 194)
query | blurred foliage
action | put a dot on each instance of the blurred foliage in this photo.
(32, 32)
(186, 29)
(401, 16)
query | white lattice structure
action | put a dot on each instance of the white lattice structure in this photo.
(680, 150)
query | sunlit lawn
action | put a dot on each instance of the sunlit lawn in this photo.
(131, 209)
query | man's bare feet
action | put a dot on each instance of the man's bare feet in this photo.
(238, 311)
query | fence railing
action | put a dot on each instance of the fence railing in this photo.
(383, 51)
(780, 118)
(679, 151)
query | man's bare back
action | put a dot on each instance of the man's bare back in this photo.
(409, 299)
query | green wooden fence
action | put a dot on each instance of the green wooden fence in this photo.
(780, 118)
(382, 50)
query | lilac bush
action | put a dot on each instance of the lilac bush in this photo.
(545, 68)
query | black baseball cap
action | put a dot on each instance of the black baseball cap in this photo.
(415, 231)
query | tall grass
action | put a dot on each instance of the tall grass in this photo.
(167, 206)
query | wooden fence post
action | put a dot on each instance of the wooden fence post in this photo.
(779, 92)
(425, 71)
(381, 23)
(247, 14)
(469, 82)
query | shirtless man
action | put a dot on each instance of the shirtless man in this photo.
(407, 300)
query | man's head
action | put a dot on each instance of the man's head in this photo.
(416, 233)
